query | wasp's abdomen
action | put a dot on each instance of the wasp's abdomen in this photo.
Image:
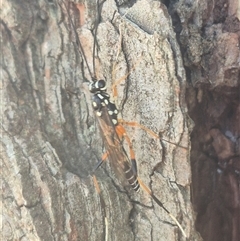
(131, 176)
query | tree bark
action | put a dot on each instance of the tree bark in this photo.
(209, 36)
(50, 137)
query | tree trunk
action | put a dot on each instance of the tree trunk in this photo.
(209, 38)
(50, 137)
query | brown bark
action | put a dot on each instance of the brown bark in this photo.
(50, 139)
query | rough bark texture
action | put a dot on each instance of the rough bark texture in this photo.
(51, 142)
(209, 36)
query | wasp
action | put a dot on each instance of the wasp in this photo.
(114, 134)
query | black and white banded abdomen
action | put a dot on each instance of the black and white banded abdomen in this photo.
(131, 176)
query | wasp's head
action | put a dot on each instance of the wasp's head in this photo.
(99, 85)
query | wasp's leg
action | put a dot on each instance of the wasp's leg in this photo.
(103, 207)
(150, 132)
(100, 162)
(95, 182)
(135, 124)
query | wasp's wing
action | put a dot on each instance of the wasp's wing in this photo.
(117, 155)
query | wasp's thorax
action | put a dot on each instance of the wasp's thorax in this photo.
(101, 98)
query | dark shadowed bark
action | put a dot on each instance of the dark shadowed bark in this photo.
(51, 141)
(209, 37)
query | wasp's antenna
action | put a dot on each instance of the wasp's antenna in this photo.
(79, 45)
(99, 10)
